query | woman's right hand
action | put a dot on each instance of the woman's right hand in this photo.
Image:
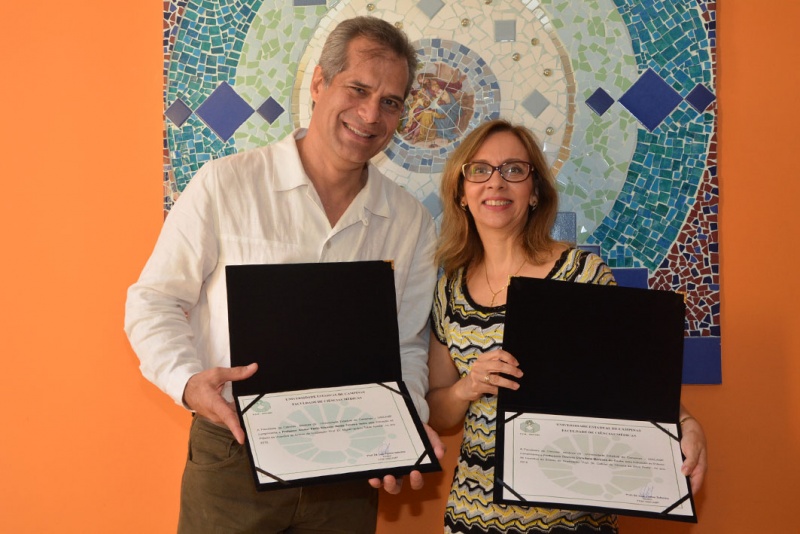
(487, 375)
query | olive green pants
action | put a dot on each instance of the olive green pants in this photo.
(218, 495)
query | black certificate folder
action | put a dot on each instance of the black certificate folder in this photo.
(594, 424)
(327, 402)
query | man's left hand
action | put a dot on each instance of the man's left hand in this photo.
(393, 485)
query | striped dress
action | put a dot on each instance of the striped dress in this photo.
(469, 329)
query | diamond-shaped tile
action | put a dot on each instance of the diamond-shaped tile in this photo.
(535, 103)
(700, 98)
(224, 111)
(178, 112)
(505, 30)
(430, 7)
(599, 102)
(433, 203)
(270, 110)
(650, 99)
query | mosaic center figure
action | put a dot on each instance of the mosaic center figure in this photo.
(438, 110)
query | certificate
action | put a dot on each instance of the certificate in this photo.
(594, 423)
(328, 402)
(312, 435)
(593, 463)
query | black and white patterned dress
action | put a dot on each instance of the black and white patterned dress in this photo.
(469, 329)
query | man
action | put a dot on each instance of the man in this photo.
(312, 197)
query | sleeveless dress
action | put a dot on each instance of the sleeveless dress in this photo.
(469, 329)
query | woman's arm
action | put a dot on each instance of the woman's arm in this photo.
(693, 445)
(446, 411)
(449, 395)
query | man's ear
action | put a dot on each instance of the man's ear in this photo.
(317, 84)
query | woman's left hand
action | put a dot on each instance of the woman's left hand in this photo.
(693, 445)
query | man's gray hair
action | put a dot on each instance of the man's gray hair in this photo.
(333, 58)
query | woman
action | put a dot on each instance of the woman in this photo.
(500, 203)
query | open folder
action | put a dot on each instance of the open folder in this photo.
(328, 402)
(594, 424)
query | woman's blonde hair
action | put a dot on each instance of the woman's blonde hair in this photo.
(459, 242)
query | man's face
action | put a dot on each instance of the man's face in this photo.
(356, 115)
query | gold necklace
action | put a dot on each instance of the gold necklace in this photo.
(493, 292)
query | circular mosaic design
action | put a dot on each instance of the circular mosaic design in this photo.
(644, 199)
(451, 95)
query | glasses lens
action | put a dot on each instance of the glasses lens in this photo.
(515, 171)
(477, 172)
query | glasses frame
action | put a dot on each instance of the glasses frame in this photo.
(496, 168)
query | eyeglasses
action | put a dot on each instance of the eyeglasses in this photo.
(510, 171)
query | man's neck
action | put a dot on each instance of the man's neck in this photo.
(336, 186)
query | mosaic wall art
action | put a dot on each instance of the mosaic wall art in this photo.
(620, 93)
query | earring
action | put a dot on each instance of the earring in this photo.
(533, 206)
(463, 206)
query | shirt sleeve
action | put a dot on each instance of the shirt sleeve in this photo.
(586, 268)
(596, 271)
(158, 304)
(413, 317)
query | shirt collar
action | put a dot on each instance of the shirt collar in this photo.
(287, 169)
(288, 173)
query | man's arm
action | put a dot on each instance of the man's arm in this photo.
(169, 288)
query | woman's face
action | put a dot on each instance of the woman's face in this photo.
(497, 204)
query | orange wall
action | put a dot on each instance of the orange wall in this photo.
(91, 447)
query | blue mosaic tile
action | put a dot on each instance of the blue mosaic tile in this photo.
(700, 98)
(564, 228)
(632, 277)
(430, 7)
(599, 101)
(434, 204)
(702, 359)
(535, 103)
(178, 112)
(505, 30)
(650, 99)
(224, 111)
(270, 110)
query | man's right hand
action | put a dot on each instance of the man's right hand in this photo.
(203, 394)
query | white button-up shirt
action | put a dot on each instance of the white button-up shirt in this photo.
(259, 207)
